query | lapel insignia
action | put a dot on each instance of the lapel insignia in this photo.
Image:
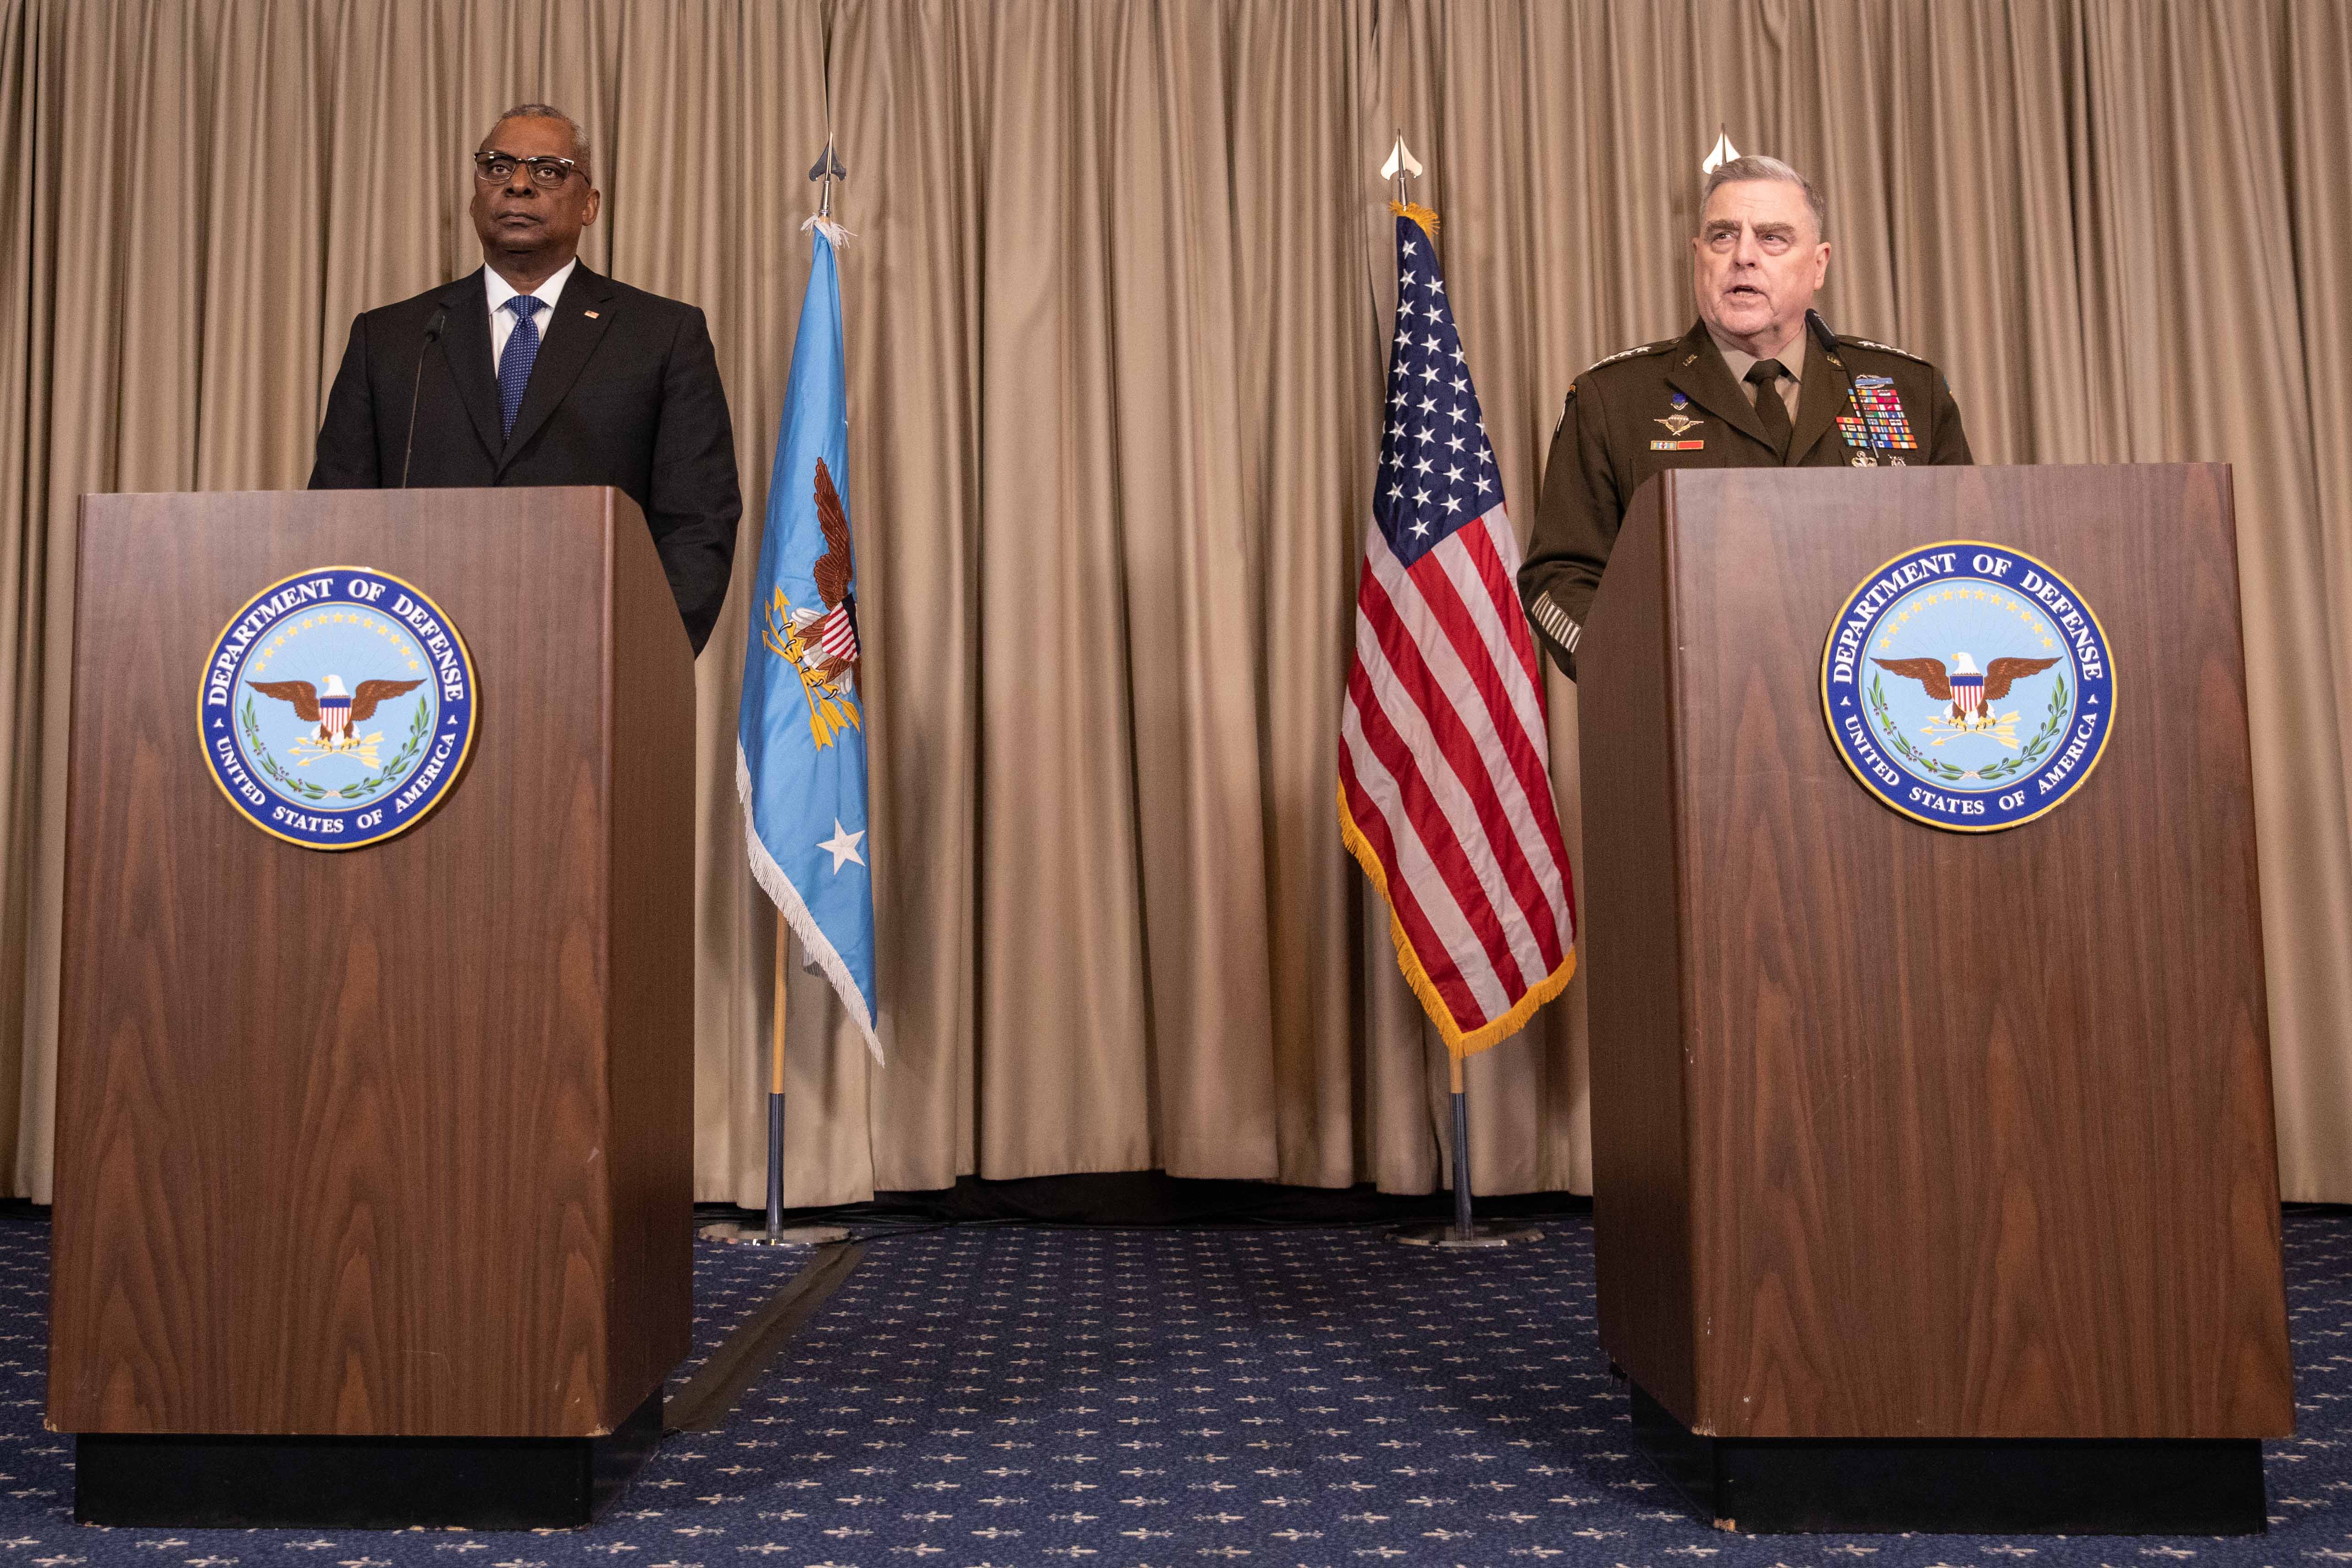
(590, 314)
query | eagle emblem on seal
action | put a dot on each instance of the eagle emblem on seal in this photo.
(335, 710)
(1965, 687)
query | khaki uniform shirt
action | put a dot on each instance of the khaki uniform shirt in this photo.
(1791, 384)
(1677, 404)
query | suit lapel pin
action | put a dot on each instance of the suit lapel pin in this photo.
(590, 314)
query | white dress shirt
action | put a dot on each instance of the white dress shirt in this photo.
(503, 320)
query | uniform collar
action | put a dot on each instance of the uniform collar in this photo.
(1709, 375)
(1695, 368)
(1739, 362)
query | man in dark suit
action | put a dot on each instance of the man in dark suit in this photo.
(535, 370)
(1750, 385)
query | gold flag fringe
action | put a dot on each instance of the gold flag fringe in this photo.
(1418, 213)
(1458, 1042)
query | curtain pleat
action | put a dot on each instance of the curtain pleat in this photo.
(1116, 311)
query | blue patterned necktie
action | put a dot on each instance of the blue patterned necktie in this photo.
(514, 365)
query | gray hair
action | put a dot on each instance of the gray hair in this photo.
(1755, 166)
(549, 112)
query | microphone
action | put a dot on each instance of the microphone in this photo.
(1820, 331)
(1867, 457)
(432, 336)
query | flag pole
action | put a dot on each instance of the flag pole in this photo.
(774, 1232)
(1464, 1231)
(827, 169)
(776, 1100)
(1463, 1228)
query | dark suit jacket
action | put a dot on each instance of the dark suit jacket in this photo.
(1622, 425)
(628, 396)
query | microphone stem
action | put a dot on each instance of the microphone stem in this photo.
(416, 387)
(1864, 456)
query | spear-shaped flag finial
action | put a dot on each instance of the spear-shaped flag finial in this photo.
(1724, 153)
(828, 169)
(1402, 165)
(1401, 158)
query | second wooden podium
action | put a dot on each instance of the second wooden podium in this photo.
(372, 1168)
(1934, 1182)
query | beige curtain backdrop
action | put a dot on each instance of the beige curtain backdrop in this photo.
(1116, 313)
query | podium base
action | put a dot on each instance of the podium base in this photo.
(182, 1482)
(2153, 1485)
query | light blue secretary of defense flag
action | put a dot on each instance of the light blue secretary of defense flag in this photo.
(799, 756)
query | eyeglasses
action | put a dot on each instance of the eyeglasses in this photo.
(498, 168)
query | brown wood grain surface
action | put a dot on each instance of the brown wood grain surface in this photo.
(1978, 1126)
(338, 1138)
(1631, 880)
(649, 834)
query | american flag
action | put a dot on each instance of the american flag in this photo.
(1444, 792)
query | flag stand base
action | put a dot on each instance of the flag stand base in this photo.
(775, 1232)
(1486, 1233)
(1463, 1232)
(744, 1235)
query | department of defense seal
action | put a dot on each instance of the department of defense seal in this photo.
(1967, 685)
(337, 708)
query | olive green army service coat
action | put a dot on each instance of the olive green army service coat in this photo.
(1674, 405)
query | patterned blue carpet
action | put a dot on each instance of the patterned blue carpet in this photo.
(1007, 1398)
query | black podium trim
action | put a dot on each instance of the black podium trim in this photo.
(2157, 1486)
(185, 1482)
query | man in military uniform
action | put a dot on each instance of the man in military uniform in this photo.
(1749, 386)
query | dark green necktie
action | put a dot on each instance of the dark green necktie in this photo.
(1764, 375)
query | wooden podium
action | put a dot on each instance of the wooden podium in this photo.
(373, 1193)
(1935, 1180)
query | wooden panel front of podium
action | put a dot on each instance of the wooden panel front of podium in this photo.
(1901, 1133)
(393, 1142)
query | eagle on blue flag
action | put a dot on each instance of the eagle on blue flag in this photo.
(800, 734)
